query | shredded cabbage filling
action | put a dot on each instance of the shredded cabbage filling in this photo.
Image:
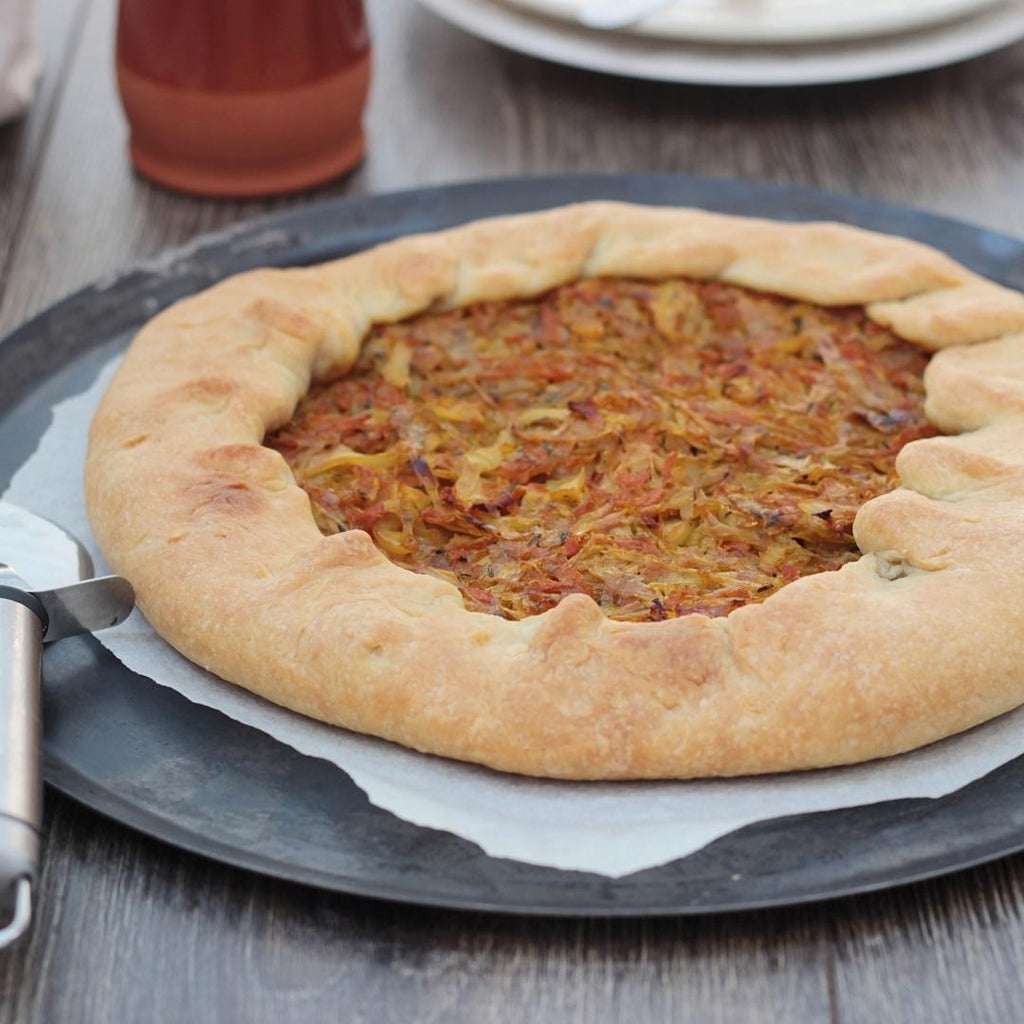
(665, 447)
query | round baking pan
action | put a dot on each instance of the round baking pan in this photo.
(142, 754)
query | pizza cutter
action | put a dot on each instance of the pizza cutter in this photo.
(40, 611)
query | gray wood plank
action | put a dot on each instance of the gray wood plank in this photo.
(950, 950)
(131, 930)
(23, 142)
(87, 214)
(448, 107)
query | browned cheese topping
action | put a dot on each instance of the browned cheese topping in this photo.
(665, 447)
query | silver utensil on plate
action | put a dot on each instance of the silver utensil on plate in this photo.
(612, 14)
(38, 605)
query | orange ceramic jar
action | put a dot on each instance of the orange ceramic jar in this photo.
(243, 97)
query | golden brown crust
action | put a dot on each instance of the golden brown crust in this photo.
(918, 639)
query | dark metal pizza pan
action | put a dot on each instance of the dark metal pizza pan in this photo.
(145, 756)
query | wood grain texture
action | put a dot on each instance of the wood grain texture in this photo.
(23, 142)
(131, 930)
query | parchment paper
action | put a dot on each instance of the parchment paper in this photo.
(609, 828)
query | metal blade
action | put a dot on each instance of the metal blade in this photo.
(9, 578)
(86, 607)
(43, 554)
(47, 559)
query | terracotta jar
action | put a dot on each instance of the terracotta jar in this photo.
(243, 97)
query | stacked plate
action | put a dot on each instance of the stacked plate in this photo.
(744, 42)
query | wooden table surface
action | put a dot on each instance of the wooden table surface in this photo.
(128, 929)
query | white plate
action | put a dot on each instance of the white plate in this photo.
(779, 21)
(716, 64)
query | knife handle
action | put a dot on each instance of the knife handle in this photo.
(22, 624)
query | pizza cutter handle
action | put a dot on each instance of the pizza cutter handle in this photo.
(22, 625)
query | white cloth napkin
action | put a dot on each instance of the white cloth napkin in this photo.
(19, 59)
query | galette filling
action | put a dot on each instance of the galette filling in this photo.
(665, 447)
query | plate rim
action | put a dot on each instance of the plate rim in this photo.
(674, 24)
(153, 826)
(640, 57)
